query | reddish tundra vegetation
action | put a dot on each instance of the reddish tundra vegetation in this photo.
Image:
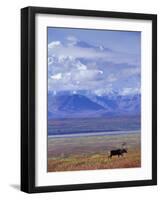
(92, 152)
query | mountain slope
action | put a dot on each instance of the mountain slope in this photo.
(78, 105)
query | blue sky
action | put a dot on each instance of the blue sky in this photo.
(124, 41)
(94, 60)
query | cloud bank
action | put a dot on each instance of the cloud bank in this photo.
(76, 65)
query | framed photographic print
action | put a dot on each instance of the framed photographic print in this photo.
(88, 99)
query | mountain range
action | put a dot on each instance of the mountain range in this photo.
(69, 105)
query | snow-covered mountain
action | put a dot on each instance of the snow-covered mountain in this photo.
(68, 105)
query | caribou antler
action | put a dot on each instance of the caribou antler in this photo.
(123, 145)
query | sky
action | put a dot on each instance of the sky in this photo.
(96, 61)
(123, 41)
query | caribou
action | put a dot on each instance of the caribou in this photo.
(118, 152)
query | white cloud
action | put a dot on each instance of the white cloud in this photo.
(101, 48)
(56, 48)
(81, 66)
(111, 78)
(50, 60)
(104, 91)
(87, 75)
(67, 71)
(100, 71)
(131, 71)
(71, 40)
(128, 91)
(57, 76)
(54, 44)
(71, 49)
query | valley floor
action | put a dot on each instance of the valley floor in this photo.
(91, 152)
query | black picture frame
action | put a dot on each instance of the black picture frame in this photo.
(28, 98)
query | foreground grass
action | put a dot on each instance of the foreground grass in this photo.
(94, 161)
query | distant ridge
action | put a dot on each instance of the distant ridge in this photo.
(67, 105)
